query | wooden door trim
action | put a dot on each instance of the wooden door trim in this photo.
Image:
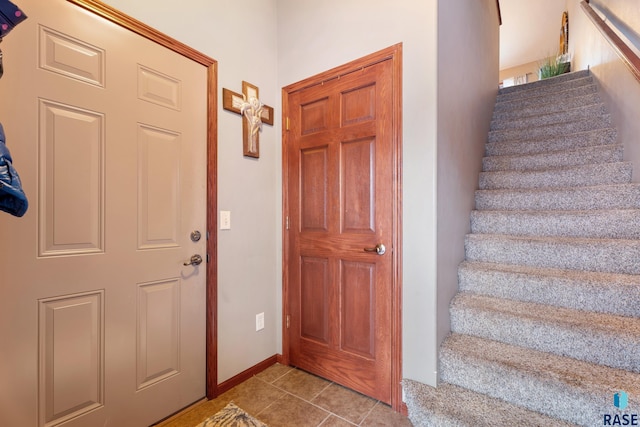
(109, 13)
(394, 54)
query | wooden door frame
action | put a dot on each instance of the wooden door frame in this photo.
(394, 54)
(111, 14)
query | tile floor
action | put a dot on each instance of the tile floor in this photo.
(282, 396)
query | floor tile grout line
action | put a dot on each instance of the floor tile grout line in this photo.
(369, 413)
(294, 395)
(276, 379)
(329, 412)
(325, 419)
(318, 394)
(270, 404)
(322, 391)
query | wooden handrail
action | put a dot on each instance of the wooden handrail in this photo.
(628, 56)
(499, 12)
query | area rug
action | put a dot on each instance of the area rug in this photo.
(231, 416)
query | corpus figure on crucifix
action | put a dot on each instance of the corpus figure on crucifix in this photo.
(252, 111)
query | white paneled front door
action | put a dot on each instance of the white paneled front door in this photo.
(101, 323)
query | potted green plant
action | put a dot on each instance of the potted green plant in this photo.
(554, 66)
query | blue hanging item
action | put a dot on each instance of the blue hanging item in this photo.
(10, 16)
(12, 197)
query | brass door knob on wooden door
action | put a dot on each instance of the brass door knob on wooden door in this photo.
(379, 249)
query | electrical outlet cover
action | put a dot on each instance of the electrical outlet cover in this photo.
(259, 321)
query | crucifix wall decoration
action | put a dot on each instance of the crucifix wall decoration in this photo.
(255, 113)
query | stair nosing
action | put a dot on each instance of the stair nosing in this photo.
(543, 99)
(592, 98)
(591, 85)
(595, 105)
(556, 189)
(621, 169)
(606, 121)
(550, 211)
(600, 147)
(547, 271)
(551, 81)
(558, 239)
(554, 138)
(530, 311)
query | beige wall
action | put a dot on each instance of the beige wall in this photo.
(618, 88)
(530, 30)
(530, 69)
(243, 40)
(468, 40)
(624, 14)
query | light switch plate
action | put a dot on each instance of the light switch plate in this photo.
(225, 220)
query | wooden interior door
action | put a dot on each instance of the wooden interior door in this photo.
(341, 158)
(101, 323)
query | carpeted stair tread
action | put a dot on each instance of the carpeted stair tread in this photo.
(534, 92)
(587, 155)
(618, 196)
(452, 406)
(599, 223)
(580, 290)
(600, 338)
(545, 99)
(550, 130)
(553, 81)
(561, 387)
(602, 255)
(590, 138)
(576, 176)
(550, 108)
(582, 112)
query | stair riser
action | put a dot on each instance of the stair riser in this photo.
(590, 345)
(542, 394)
(588, 155)
(544, 90)
(614, 224)
(550, 131)
(619, 296)
(541, 101)
(557, 80)
(586, 198)
(577, 140)
(583, 113)
(606, 256)
(581, 176)
(550, 108)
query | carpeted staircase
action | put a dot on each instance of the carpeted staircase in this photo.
(546, 324)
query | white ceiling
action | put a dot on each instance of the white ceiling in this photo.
(530, 30)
